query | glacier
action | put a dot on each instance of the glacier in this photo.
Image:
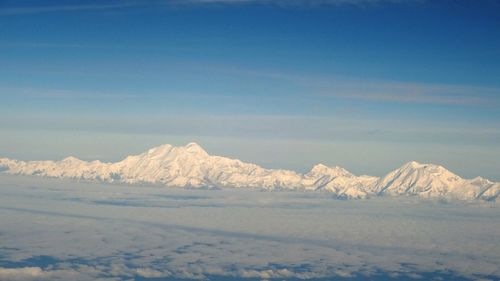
(191, 166)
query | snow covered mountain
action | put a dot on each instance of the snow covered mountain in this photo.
(192, 166)
(431, 181)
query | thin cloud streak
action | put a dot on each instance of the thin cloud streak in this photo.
(378, 90)
(415, 93)
(400, 92)
(62, 94)
(298, 2)
(346, 89)
(12, 11)
(61, 8)
(13, 44)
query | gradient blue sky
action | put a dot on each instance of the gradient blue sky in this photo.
(367, 85)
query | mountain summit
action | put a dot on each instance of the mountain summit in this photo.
(192, 166)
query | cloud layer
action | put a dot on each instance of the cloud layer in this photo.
(61, 231)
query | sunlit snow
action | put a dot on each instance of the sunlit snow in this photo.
(191, 166)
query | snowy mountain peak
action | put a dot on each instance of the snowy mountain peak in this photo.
(412, 164)
(331, 171)
(318, 168)
(193, 147)
(426, 180)
(70, 159)
(193, 144)
(162, 149)
(192, 166)
(480, 181)
(169, 151)
(426, 169)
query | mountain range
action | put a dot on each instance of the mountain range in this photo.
(191, 166)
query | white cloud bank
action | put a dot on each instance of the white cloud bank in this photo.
(52, 230)
(38, 274)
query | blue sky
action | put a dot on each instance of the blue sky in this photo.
(367, 85)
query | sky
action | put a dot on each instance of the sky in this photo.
(367, 85)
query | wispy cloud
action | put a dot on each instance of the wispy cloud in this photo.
(6, 11)
(15, 44)
(63, 94)
(25, 10)
(418, 93)
(298, 2)
(373, 90)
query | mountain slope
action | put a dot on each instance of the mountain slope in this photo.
(433, 181)
(192, 166)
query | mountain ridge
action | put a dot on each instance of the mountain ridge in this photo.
(192, 166)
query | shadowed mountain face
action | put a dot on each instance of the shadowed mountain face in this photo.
(192, 166)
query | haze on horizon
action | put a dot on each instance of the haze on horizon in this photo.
(366, 85)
